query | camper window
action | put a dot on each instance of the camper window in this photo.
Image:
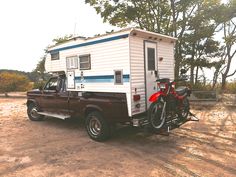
(151, 59)
(72, 62)
(55, 55)
(118, 76)
(84, 62)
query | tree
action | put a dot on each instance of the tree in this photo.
(13, 82)
(229, 48)
(40, 68)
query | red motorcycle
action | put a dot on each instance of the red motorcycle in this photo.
(170, 107)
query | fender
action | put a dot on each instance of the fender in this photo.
(92, 107)
(155, 96)
(32, 101)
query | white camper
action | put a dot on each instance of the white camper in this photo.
(127, 61)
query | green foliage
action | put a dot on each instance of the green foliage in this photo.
(27, 74)
(10, 82)
(230, 87)
(39, 71)
(39, 84)
(60, 40)
(201, 86)
(149, 15)
(40, 68)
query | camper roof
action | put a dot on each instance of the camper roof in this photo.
(128, 31)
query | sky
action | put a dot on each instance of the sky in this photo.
(27, 27)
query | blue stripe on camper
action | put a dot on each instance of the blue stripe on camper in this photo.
(91, 43)
(100, 79)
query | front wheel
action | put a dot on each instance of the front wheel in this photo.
(97, 127)
(184, 110)
(156, 115)
(32, 112)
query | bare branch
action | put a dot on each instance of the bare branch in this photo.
(231, 74)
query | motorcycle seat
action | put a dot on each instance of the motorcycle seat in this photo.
(181, 90)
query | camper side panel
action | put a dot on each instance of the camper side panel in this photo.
(137, 74)
(165, 57)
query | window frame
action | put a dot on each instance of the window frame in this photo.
(89, 62)
(54, 58)
(76, 59)
(151, 67)
(121, 77)
(50, 90)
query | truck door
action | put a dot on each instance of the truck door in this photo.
(55, 97)
(150, 70)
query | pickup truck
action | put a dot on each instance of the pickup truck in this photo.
(100, 110)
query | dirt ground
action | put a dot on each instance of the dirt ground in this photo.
(55, 147)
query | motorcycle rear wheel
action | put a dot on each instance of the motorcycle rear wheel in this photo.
(154, 116)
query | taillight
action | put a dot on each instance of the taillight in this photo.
(136, 97)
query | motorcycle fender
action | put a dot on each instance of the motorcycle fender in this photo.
(155, 96)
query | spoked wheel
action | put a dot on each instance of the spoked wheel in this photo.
(97, 127)
(184, 112)
(155, 117)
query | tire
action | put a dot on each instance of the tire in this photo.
(183, 115)
(154, 115)
(32, 113)
(97, 127)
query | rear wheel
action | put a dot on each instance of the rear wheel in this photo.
(156, 121)
(32, 112)
(97, 127)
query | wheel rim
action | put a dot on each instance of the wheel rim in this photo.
(156, 120)
(95, 126)
(34, 113)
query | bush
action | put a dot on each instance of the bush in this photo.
(39, 84)
(230, 87)
(10, 82)
(201, 86)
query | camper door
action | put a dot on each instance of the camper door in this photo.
(150, 70)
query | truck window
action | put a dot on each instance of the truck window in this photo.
(52, 84)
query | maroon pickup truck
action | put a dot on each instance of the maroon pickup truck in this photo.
(100, 110)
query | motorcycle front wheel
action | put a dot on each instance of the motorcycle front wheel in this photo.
(184, 111)
(155, 118)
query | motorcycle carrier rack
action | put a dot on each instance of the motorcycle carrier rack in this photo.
(170, 125)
